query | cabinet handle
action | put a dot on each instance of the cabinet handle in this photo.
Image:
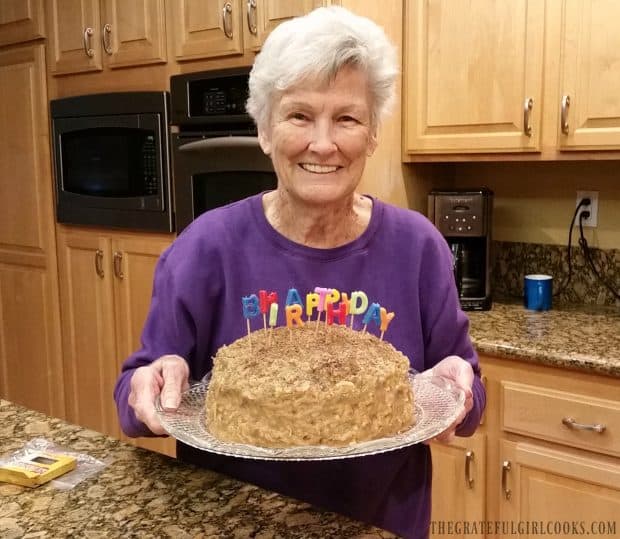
(99, 263)
(88, 34)
(505, 469)
(527, 109)
(565, 105)
(227, 20)
(572, 424)
(469, 457)
(118, 259)
(252, 16)
(105, 38)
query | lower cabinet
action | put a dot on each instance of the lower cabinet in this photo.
(554, 450)
(546, 460)
(560, 491)
(459, 486)
(106, 281)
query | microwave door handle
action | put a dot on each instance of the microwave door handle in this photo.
(220, 143)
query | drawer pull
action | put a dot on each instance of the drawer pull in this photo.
(572, 424)
(505, 469)
(469, 457)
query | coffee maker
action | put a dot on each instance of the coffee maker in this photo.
(463, 216)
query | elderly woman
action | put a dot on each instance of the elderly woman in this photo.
(318, 90)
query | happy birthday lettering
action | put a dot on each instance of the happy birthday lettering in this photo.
(335, 304)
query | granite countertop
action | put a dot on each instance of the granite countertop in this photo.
(148, 495)
(586, 339)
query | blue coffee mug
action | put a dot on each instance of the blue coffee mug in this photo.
(537, 292)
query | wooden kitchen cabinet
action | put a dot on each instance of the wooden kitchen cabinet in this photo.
(553, 445)
(93, 35)
(590, 76)
(30, 343)
(547, 485)
(459, 483)
(106, 282)
(205, 29)
(470, 68)
(525, 77)
(21, 21)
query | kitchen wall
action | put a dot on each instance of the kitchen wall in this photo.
(534, 202)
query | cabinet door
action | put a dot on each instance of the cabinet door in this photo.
(547, 485)
(30, 344)
(88, 329)
(134, 33)
(74, 36)
(135, 261)
(264, 15)
(590, 76)
(20, 21)
(207, 28)
(470, 69)
(459, 483)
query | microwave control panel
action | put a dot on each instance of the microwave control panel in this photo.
(150, 166)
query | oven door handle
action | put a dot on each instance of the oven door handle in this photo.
(217, 143)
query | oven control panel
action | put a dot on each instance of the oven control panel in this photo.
(210, 97)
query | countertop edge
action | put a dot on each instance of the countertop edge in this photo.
(578, 362)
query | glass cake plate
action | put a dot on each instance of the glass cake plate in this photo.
(437, 404)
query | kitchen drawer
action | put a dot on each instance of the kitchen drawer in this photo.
(547, 414)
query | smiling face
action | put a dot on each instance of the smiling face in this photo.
(319, 138)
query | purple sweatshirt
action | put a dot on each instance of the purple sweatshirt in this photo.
(401, 261)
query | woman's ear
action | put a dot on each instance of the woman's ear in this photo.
(265, 142)
(372, 144)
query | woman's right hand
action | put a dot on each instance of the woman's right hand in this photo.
(167, 376)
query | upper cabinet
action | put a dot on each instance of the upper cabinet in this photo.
(215, 28)
(20, 21)
(88, 35)
(522, 77)
(207, 28)
(473, 75)
(590, 78)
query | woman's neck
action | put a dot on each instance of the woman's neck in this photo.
(319, 226)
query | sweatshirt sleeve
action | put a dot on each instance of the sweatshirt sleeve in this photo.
(446, 326)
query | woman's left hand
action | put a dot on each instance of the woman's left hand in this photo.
(460, 372)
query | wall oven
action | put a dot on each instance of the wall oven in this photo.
(216, 155)
(111, 160)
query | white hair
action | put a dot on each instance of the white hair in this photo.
(316, 46)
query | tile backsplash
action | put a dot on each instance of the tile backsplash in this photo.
(513, 260)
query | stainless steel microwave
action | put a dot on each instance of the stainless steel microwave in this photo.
(111, 160)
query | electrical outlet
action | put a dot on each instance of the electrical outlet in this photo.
(591, 221)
